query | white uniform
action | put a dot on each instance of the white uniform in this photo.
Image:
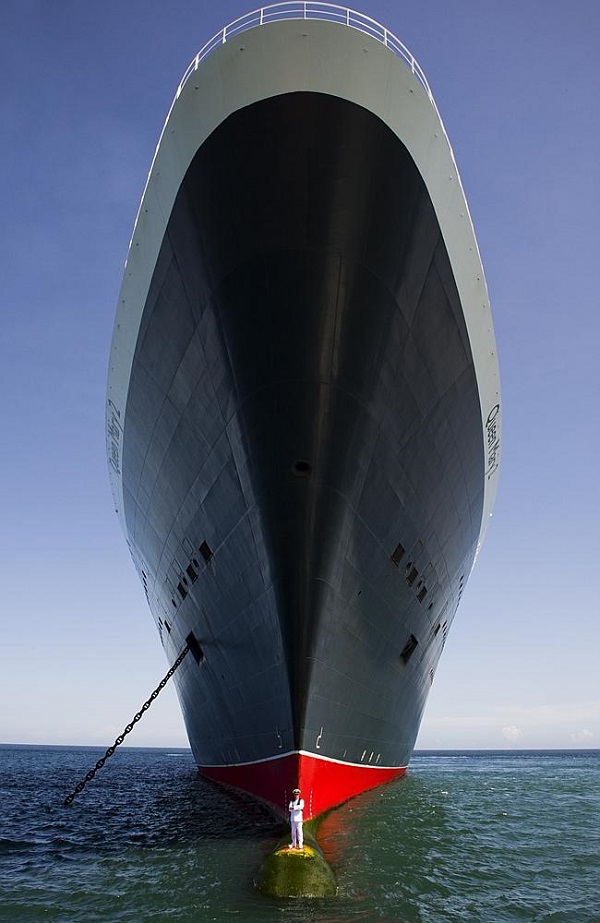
(296, 808)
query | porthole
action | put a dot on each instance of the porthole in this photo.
(301, 468)
(408, 649)
(192, 573)
(412, 574)
(397, 554)
(205, 551)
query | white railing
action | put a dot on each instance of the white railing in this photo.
(297, 9)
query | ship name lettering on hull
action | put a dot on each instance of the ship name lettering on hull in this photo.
(493, 441)
(114, 432)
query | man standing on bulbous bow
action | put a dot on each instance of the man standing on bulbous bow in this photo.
(296, 808)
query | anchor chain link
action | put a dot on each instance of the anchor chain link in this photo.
(127, 730)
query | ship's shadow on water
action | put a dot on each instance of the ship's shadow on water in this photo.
(204, 810)
(170, 804)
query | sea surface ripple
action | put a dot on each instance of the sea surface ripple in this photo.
(467, 836)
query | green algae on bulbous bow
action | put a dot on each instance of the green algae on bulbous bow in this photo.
(296, 872)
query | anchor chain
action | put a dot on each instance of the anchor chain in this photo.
(127, 730)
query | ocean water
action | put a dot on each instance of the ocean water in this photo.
(475, 837)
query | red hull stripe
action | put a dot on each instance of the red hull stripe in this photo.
(324, 783)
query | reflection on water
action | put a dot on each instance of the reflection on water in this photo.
(470, 838)
(384, 846)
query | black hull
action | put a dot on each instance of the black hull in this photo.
(303, 455)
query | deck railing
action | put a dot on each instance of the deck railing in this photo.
(297, 9)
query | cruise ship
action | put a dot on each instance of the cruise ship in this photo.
(303, 406)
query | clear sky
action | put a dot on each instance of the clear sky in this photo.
(84, 90)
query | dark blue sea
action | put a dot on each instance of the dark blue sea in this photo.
(475, 837)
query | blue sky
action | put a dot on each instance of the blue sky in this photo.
(84, 91)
